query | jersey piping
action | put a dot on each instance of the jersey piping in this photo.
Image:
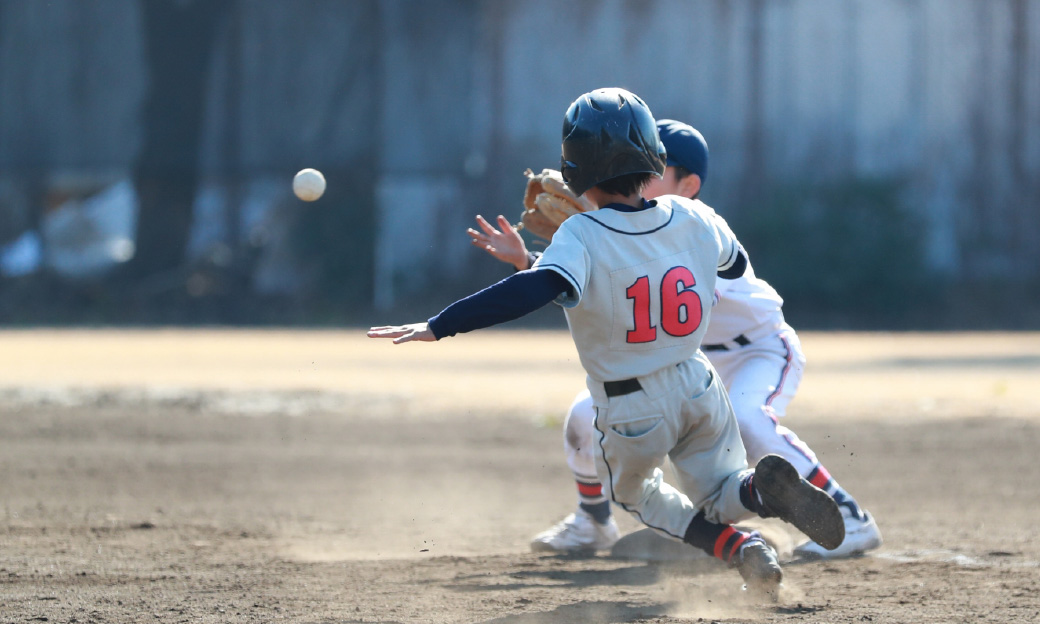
(671, 213)
(566, 274)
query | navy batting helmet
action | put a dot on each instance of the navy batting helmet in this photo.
(609, 133)
(686, 147)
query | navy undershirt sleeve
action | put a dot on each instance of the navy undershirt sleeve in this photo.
(517, 295)
(738, 268)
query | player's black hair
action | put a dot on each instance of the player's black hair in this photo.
(626, 184)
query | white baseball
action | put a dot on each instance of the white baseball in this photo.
(308, 184)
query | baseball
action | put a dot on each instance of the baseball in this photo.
(308, 184)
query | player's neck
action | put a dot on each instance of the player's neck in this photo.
(601, 198)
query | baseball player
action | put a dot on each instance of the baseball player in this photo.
(636, 279)
(756, 353)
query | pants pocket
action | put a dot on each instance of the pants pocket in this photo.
(632, 449)
(637, 427)
(640, 442)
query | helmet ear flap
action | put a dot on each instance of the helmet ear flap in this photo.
(567, 169)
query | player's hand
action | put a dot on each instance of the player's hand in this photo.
(404, 333)
(504, 244)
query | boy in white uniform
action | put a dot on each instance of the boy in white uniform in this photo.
(637, 281)
(758, 357)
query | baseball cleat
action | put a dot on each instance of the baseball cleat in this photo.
(758, 565)
(861, 535)
(576, 533)
(788, 496)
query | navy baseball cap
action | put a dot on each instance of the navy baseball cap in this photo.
(686, 147)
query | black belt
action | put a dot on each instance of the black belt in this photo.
(621, 388)
(741, 340)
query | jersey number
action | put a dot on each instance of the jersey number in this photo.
(680, 306)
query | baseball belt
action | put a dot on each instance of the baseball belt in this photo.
(622, 387)
(741, 340)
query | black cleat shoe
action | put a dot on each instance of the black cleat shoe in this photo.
(788, 496)
(758, 565)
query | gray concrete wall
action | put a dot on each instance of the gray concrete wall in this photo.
(459, 96)
(71, 83)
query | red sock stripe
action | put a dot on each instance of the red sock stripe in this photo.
(591, 490)
(720, 542)
(820, 477)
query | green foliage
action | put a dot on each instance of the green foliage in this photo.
(847, 253)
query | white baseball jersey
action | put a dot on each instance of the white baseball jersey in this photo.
(643, 283)
(747, 306)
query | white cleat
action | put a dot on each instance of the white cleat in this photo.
(577, 533)
(861, 535)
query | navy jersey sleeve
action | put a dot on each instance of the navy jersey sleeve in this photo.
(511, 298)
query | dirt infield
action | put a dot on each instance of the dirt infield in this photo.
(241, 476)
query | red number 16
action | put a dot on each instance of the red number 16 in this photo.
(678, 300)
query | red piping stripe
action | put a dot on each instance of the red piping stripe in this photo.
(590, 489)
(783, 374)
(821, 477)
(720, 542)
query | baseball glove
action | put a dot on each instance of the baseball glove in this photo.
(548, 202)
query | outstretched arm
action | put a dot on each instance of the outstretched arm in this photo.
(504, 244)
(511, 298)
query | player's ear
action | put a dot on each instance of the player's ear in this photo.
(690, 186)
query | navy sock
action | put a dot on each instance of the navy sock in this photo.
(748, 496)
(718, 540)
(843, 499)
(823, 480)
(600, 512)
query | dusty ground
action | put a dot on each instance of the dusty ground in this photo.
(322, 477)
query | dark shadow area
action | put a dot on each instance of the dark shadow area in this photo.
(586, 612)
(641, 574)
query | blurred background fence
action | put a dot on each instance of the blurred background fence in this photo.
(880, 159)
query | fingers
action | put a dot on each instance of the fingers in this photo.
(480, 241)
(388, 331)
(487, 227)
(404, 333)
(504, 223)
(420, 332)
